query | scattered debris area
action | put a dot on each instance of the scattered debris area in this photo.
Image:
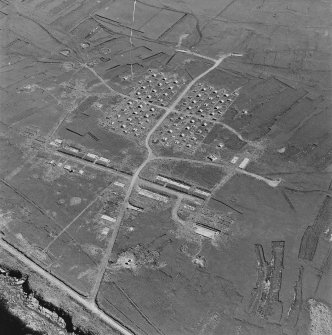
(320, 318)
(136, 258)
(264, 300)
(30, 131)
(187, 209)
(200, 261)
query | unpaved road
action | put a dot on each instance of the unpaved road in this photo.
(89, 305)
(134, 179)
(270, 182)
(148, 159)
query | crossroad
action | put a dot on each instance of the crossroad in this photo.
(133, 180)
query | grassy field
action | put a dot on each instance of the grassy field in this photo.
(193, 174)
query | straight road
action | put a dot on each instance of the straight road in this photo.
(270, 182)
(197, 55)
(90, 306)
(92, 165)
(135, 177)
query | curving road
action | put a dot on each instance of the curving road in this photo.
(150, 157)
(135, 176)
(90, 304)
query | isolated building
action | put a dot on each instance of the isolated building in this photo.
(234, 159)
(173, 182)
(152, 195)
(135, 208)
(202, 192)
(75, 150)
(212, 158)
(206, 231)
(244, 163)
(108, 218)
(119, 184)
(68, 168)
(91, 157)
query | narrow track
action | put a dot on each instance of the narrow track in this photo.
(270, 182)
(90, 306)
(135, 177)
